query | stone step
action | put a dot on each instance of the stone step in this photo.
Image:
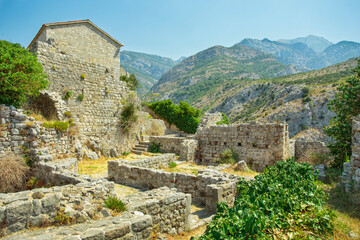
(137, 152)
(143, 144)
(144, 149)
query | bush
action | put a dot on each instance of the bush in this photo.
(67, 95)
(128, 116)
(185, 117)
(13, 173)
(155, 147)
(229, 155)
(131, 82)
(62, 218)
(305, 92)
(21, 75)
(115, 204)
(80, 97)
(282, 203)
(58, 125)
(172, 165)
(306, 100)
(224, 120)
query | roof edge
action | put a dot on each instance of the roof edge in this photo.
(69, 23)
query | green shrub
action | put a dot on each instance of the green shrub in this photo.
(21, 75)
(172, 165)
(131, 82)
(306, 100)
(62, 218)
(229, 155)
(58, 125)
(185, 117)
(155, 147)
(115, 204)
(83, 76)
(67, 95)
(282, 203)
(305, 91)
(224, 120)
(125, 153)
(80, 97)
(128, 116)
(68, 114)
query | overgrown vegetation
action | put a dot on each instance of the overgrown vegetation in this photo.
(229, 155)
(282, 203)
(58, 125)
(345, 105)
(80, 97)
(128, 116)
(131, 82)
(155, 147)
(21, 75)
(63, 218)
(68, 95)
(185, 117)
(172, 165)
(114, 204)
(13, 173)
(224, 120)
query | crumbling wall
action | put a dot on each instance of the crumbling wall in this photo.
(19, 133)
(210, 119)
(209, 187)
(305, 151)
(351, 174)
(259, 145)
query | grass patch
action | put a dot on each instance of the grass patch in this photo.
(115, 204)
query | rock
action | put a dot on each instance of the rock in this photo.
(77, 146)
(241, 166)
(353, 235)
(18, 212)
(105, 212)
(93, 234)
(114, 153)
(37, 195)
(50, 203)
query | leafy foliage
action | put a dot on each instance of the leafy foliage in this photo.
(346, 105)
(128, 116)
(115, 204)
(155, 147)
(224, 120)
(282, 203)
(131, 81)
(185, 117)
(229, 155)
(21, 75)
(172, 164)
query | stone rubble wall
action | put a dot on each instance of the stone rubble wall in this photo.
(186, 147)
(18, 132)
(187, 183)
(170, 210)
(210, 119)
(124, 227)
(259, 145)
(151, 162)
(351, 173)
(98, 114)
(38, 207)
(304, 150)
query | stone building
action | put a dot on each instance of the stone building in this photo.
(83, 65)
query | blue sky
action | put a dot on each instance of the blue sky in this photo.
(175, 28)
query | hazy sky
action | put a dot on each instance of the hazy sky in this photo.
(175, 28)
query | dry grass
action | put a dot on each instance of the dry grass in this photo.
(13, 173)
(232, 170)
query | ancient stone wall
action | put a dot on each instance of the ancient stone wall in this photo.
(19, 133)
(210, 119)
(209, 187)
(306, 151)
(259, 145)
(351, 174)
(97, 94)
(169, 209)
(151, 162)
(168, 144)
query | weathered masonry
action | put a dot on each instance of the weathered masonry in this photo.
(260, 145)
(83, 65)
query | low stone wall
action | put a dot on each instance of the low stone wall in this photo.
(18, 131)
(151, 162)
(197, 186)
(168, 144)
(170, 210)
(305, 150)
(127, 226)
(259, 145)
(183, 146)
(351, 174)
(38, 207)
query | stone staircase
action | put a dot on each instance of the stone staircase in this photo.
(141, 147)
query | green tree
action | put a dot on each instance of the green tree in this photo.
(21, 75)
(131, 81)
(346, 105)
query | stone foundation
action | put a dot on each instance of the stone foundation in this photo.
(304, 151)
